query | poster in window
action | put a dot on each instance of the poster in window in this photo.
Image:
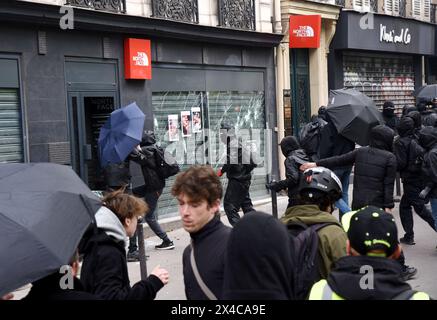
(186, 123)
(173, 127)
(197, 119)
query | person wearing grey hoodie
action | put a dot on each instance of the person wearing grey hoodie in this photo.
(104, 269)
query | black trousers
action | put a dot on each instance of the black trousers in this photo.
(409, 199)
(236, 197)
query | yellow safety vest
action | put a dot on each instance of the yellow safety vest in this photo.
(322, 291)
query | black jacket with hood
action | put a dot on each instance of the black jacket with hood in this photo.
(146, 158)
(428, 140)
(259, 263)
(346, 277)
(408, 153)
(375, 169)
(209, 252)
(104, 269)
(239, 161)
(295, 157)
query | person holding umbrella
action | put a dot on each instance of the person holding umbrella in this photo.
(104, 269)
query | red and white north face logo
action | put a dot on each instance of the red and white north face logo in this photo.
(304, 32)
(141, 59)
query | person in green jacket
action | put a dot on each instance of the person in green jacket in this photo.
(370, 271)
(319, 189)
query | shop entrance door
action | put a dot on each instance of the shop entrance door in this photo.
(88, 111)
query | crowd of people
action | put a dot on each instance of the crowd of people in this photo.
(306, 254)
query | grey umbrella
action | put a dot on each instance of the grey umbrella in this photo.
(426, 93)
(44, 210)
(353, 114)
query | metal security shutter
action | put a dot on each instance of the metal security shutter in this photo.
(11, 135)
(245, 110)
(381, 77)
(172, 103)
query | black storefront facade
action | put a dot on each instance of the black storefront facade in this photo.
(58, 86)
(384, 62)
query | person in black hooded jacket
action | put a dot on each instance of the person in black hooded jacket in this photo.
(295, 157)
(370, 271)
(388, 113)
(375, 169)
(151, 190)
(238, 167)
(408, 154)
(258, 264)
(428, 140)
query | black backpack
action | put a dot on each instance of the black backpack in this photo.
(305, 256)
(309, 136)
(166, 164)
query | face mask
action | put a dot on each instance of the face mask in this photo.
(388, 112)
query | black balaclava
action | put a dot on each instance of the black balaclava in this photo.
(406, 127)
(289, 144)
(417, 118)
(388, 109)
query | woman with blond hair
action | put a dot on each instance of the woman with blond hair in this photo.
(104, 270)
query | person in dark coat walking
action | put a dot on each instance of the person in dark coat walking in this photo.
(333, 144)
(151, 190)
(370, 271)
(408, 155)
(390, 118)
(49, 288)
(428, 140)
(295, 157)
(198, 191)
(258, 260)
(238, 167)
(104, 269)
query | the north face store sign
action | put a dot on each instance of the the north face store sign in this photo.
(305, 31)
(137, 59)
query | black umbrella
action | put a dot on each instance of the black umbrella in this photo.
(44, 210)
(426, 93)
(353, 114)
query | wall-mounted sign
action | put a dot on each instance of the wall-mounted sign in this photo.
(392, 36)
(305, 31)
(137, 59)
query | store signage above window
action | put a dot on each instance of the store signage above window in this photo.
(305, 31)
(383, 33)
(137, 59)
(391, 36)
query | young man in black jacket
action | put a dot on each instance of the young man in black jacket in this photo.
(198, 191)
(151, 190)
(370, 271)
(408, 154)
(295, 157)
(238, 168)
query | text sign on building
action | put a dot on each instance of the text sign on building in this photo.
(394, 36)
(305, 31)
(137, 59)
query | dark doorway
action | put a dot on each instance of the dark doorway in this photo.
(88, 111)
(300, 88)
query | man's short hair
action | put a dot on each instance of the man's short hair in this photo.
(198, 183)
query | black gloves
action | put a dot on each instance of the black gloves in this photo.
(273, 185)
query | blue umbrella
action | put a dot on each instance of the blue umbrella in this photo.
(120, 134)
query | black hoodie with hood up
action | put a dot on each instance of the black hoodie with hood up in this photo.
(146, 158)
(428, 140)
(375, 169)
(295, 157)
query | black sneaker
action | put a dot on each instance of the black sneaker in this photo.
(165, 245)
(408, 241)
(133, 256)
(408, 272)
